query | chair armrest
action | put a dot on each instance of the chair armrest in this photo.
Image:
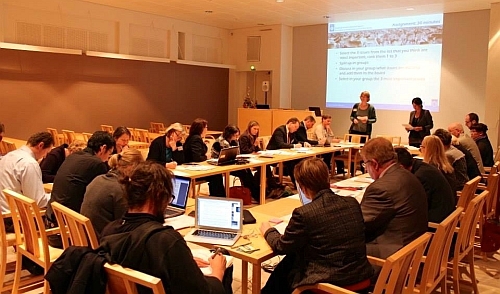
(487, 170)
(52, 231)
(432, 225)
(376, 260)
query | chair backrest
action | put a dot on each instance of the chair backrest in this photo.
(3, 251)
(86, 136)
(69, 136)
(468, 224)
(435, 266)
(124, 280)
(396, 140)
(157, 127)
(468, 192)
(353, 138)
(142, 135)
(265, 141)
(6, 147)
(400, 270)
(133, 136)
(490, 204)
(55, 136)
(209, 142)
(75, 228)
(27, 220)
(107, 128)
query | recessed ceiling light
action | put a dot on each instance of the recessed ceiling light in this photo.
(208, 11)
(280, 1)
(410, 8)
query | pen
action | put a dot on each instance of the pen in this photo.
(217, 251)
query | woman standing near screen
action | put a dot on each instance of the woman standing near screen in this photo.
(420, 123)
(363, 116)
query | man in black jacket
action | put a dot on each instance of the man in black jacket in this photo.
(285, 137)
(305, 125)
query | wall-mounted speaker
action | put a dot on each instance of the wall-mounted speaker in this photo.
(265, 86)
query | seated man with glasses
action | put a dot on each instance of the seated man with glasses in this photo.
(394, 206)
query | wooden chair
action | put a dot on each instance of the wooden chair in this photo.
(265, 141)
(133, 136)
(491, 169)
(107, 128)
(142, 135)
(69, 136)
(396, 140)
(490, 206)
(9, 240)
(468, 192)
(157, 127)
(86, 136)
(76, 229)
(125, 280)
(6, 147)
(58, 138)
(436, 261)
(352, 155)
(398, 274)
(464, 246)
(30, 239)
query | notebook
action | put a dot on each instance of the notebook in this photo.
(180, 190)
(226, 156)
(217, 221)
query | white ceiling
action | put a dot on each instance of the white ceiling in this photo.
(234, 14)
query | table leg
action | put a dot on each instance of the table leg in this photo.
(256, 271)
(349, 160)
(280, 174)
(263, 183)
(244, 277)
(227, 179)
(193, 188)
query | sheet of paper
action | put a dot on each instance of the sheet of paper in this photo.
(180, 222)
(205, 254)
(281, 227)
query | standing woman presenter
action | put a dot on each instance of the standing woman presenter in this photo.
(363, 116)
(420, 123)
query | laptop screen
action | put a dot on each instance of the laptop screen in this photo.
(302, 196)
(215, 212)
(180, 191)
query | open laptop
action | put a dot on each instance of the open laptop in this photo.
(226, 156)
(217, 221)
(181, 189)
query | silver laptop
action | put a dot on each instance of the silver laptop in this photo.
(217, 221)
(178, 204)
(226, 156)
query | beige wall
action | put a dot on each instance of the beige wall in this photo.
(463, 75)
(275, 57)
(492, 111)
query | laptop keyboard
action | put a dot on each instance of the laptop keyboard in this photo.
(171, 212)
(214, 234)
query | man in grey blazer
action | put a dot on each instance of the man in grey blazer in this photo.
(394, 206)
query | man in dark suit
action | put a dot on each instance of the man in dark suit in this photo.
(324, 240)
(440, 196)
(284, 137)
(394, 206)
(305, 125)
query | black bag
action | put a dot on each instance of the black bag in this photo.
(248, 218)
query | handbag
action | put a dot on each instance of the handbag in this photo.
(240, 192)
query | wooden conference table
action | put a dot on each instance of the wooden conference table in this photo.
(281, 208)
(204, 169)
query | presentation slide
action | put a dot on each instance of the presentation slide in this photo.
(395, 59)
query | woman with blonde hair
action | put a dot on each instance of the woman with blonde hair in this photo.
(433, 152)
(55, 158)
(167, 149)
(103, 201)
